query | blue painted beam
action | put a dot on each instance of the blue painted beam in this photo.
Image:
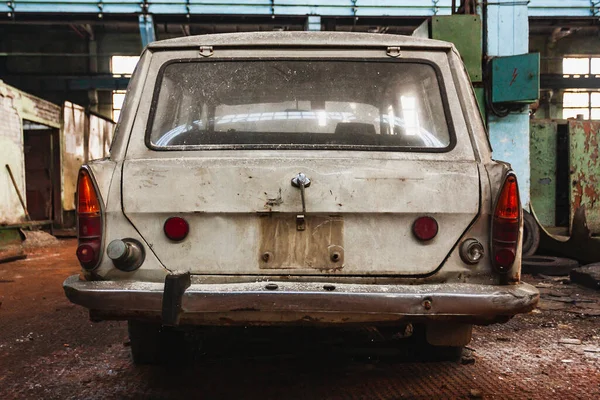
(507, 33)
(339, 8)
(313, 23)
(146, 29)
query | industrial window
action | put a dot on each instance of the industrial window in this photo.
(124, 66)
(581, 102)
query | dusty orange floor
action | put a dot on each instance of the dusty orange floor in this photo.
(49, 349)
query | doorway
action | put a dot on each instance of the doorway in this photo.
(42, 172)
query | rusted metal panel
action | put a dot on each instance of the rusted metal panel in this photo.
(542, 149)
(319, 246)
(38, 173)
(585, 170)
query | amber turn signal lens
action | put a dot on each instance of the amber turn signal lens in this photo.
(176, 228)
(87, 199)
(89, 221)
(425, 228)
(508, 203)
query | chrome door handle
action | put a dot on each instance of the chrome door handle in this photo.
(301, 181)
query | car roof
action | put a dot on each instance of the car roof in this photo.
(300, 39)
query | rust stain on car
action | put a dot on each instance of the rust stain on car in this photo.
(319, 246)
(276, 201)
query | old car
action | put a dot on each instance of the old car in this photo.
(299, 179)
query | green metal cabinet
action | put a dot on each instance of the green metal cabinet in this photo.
(516, 79)
(465, 32)
(584, 140)
(542, 150)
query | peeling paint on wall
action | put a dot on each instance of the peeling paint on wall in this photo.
(15, 106)
(543, 149)
(584, 137)
(83, 137)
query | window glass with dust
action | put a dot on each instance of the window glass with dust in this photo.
(299, 104)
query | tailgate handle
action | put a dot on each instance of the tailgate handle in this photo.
(301, 181)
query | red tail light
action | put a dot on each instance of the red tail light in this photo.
(505, 225)
(425, 228)
(176, 228)
(89, 221)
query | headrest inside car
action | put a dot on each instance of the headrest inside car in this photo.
(354, 128)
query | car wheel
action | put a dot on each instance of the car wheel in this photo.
(546, 265)
(531, 234)
(152, 343)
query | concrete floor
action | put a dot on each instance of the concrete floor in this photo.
(49, 349)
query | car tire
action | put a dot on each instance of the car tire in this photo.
(152, 343)
(531, 234)
(546, 265)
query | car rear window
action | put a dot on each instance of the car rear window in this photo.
(299, 104)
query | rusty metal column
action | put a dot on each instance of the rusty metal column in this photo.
(506, 32)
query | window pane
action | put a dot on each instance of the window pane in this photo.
(123, 65)
(574, 66)
(574, 99)
(595, 99)
(118, 99)
(329, 103)
(116, 114)
(595, 113)
(596, 66)
(573, 112)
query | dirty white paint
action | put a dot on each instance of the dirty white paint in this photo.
(378, 201)
(15, 106)
(379, 195)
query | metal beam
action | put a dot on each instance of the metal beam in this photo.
(339, 8)
(313, 23)
(558, 81)
(507, 33)
(147, 29)
(66, 82)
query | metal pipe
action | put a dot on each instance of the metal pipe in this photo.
(12, 178)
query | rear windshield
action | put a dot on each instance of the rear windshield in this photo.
(299, 104)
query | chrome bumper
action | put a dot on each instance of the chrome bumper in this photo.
(479, 303)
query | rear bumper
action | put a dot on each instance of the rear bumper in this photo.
(306, 302)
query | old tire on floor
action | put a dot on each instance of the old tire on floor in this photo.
(531, 234)
(546, 265)
(152, 343)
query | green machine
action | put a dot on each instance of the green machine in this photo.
(465, 32)
(511, 82)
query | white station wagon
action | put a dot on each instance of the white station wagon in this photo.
(299, 178)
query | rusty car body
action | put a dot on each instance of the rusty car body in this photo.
(300, 178)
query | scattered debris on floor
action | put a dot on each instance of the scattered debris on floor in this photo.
(569, 341)
(588, 276)
(48, 349)
(11, 252)
(35, 239)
